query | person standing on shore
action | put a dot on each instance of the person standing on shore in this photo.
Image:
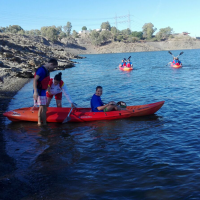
(40, 84)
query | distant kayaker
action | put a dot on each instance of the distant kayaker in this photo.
(129, 64)
(40, 84)
(97, 104)
(176, 61)
(56, 87)
(123, 63)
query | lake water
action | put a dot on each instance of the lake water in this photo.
(155, 157)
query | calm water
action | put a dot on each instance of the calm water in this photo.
(156, 157)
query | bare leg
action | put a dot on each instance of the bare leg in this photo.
(39, 115)
(44, 115)
(48, 101)
(110, 107)
(59, 103)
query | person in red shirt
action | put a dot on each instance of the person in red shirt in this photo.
(55, 88)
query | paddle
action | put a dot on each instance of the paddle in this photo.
(171, 53)
(180, 54)
(68, 116)
(174, 56)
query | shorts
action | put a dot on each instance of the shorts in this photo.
(41, 101)
(57, 96)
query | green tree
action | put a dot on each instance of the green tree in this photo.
(119, 38)
(132, 39)
(3, 29)
(126, 32)
(59, 29)
(62, 35)
(95, 38)
(114, 30)
(52, 33)
(68, 28)
(21, 32)
(84, 28)
(14, 28)
(105, 36)
(137, 34)
(74, 34)
(164, 33)
(148, 30)
(34, 32)
(106, 25)
(43, 31)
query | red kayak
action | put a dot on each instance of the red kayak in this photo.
(125, 68)
(55, 114)
(176, 65)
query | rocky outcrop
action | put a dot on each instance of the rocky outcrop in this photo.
(21, 55)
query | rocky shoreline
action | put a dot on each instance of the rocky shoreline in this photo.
(21, 55)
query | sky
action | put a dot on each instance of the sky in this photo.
(180, 15)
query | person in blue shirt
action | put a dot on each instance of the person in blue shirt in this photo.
(176, 61)
(98, 106)
(40, 85)
(129, 64)
(123, 63)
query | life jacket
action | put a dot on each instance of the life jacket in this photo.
(51, 82)
(124, 64)
(128, 65)
(43, 85)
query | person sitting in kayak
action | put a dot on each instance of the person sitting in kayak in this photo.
(176, 61)
(123, 63)
(98, 106)
(56, 87)
(129, 64)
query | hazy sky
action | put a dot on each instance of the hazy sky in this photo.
(181, 15)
